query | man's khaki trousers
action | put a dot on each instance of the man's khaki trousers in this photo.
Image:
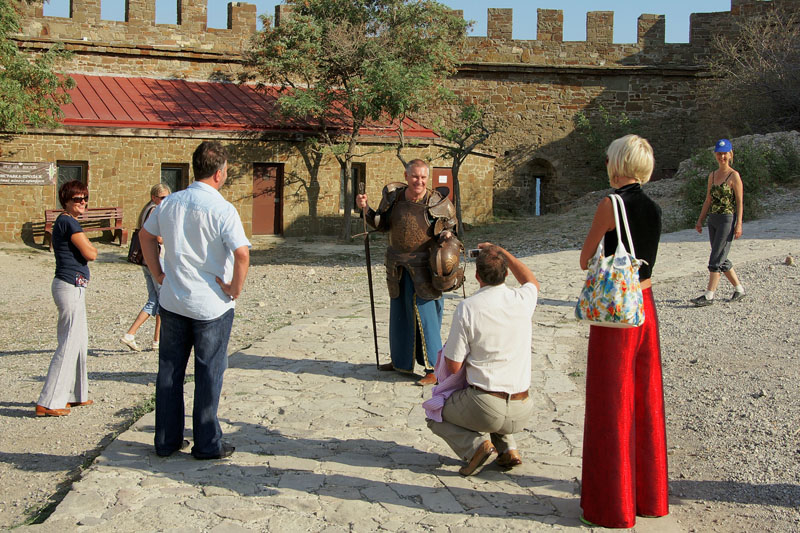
(471, 416)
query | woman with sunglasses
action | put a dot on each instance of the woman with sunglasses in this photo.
(157, 193)
(66, 384)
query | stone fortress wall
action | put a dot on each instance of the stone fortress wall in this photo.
(536, 87)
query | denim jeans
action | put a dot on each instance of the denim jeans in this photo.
(179, 334)
(151, 306)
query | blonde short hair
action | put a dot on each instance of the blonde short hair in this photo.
(630, 157)
(158, 189)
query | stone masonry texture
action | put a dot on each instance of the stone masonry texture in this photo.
(535, 87)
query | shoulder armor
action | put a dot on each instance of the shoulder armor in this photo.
(389, 195)
(440, 206)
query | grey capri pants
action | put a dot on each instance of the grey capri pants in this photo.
(720, 233)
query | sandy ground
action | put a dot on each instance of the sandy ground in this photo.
(39, 458)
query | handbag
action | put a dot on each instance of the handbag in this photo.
(135, 254)
(612, 295)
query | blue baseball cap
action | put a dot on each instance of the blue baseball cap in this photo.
(723, 145)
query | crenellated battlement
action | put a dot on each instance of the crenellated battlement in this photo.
(139, 27)
(191, 33)
(598, 50)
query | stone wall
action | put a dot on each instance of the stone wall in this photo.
(123, 165)
(539, 86)
(536, 86)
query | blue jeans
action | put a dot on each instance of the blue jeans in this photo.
(151, 307)
(210, 341)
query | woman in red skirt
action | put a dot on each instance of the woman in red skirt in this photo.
(624, 438)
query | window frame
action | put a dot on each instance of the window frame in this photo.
(184, 174)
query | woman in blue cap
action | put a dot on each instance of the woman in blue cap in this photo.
(724, 208)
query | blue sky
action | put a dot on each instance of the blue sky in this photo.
(625, 14)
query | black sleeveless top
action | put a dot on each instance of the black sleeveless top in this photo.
(644, 221)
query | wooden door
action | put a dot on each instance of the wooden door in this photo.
(267, 197)
(443, 179)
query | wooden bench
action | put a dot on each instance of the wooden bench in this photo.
(93, 219)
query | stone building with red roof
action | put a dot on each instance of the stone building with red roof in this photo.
(146, 95)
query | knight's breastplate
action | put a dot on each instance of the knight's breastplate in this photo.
(409, 230)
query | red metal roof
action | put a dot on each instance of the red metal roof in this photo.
(119, 102)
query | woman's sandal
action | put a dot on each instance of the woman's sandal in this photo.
(590, 524)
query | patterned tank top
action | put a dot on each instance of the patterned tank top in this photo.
(722, 201)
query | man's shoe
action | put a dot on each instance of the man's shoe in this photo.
(701, 301)
(483, 453)
(80, 404)
(737, 296)
(155, 346)
(429, 379)
(130, 343)
(509, 459)
(44, 411)
(226, 451)
(184, 445)
(386, 367)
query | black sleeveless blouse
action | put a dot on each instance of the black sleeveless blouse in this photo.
(644, 221)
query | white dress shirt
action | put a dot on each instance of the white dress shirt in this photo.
(200, 230)
(491, 334)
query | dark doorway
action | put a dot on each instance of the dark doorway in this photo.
(267, 199)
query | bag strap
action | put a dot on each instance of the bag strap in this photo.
(615, 199)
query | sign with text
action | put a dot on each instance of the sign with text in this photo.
(27, 173)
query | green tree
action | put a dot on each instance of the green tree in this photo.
(343, 64)
(31, 92)
(471, 127)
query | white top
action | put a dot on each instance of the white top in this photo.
(200, 230)
(491, 332)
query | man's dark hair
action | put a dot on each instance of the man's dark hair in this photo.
(209, 157)
(491, 265)
(70, 189)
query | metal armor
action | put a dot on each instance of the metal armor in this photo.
(412, 227)
(445, 262)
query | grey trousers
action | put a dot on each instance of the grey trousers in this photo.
(720, 233)
(470, 417)
(67, 379)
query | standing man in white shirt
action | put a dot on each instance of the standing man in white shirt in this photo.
(491, 336)
(205, 265)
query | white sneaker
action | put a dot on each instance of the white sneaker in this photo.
(155, 346)
(130, 342)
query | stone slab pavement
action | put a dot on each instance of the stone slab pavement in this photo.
(325, 442)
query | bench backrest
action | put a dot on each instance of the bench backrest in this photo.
(92, 216)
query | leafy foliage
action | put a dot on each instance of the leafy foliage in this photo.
(760, 166)
(472, 126)
(30, 90)
(342, 63)
(598, 129)
(784, 162)
(756, 74)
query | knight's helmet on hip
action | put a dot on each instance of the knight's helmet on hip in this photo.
(446, 270)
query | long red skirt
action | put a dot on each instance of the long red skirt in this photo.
(624, 437)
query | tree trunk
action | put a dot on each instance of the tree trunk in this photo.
(347, 169)
(457, 198)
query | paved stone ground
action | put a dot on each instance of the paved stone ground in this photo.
(324, 442)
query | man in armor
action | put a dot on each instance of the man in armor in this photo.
(417, 220)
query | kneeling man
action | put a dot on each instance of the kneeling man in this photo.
(491, 339)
